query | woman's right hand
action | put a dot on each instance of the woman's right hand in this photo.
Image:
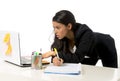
(57, 61)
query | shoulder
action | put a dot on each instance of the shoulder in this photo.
(82, 29)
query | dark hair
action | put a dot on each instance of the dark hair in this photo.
(64, 17)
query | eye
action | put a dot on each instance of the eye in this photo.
(56, 28)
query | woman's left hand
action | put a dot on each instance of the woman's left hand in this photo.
(48, 54)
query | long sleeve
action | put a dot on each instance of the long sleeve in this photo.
(84, 44)
(69, 57)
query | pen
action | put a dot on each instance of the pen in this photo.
(56, 52)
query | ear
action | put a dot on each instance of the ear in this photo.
(69, 26)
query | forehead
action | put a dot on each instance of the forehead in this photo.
(57, 24)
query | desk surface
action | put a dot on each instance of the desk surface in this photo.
(10, 72)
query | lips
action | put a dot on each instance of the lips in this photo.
(57, 36)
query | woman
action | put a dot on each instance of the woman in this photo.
(75, 42)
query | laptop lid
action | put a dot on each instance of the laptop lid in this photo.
(10, 47)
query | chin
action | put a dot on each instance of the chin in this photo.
(59, 37)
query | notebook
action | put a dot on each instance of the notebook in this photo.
(66, 69)
(10, 49)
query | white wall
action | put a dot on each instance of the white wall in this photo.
(32, 18)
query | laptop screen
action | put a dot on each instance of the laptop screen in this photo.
(10, 46)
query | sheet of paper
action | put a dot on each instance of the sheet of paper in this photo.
(66, 68)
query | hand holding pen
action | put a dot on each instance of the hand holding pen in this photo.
(57, 61)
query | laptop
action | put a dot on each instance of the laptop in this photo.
(10, 49)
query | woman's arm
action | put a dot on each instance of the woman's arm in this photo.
(56, 61)
(48, 54)
(85, 44)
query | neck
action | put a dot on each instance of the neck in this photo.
(70, 36)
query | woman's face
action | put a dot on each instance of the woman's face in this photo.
(60, 30)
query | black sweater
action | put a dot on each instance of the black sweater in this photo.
(84, 42)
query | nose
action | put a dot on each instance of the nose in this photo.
(55, 31)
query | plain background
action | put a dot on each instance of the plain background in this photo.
(33, 19)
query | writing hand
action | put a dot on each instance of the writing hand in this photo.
(57, 61)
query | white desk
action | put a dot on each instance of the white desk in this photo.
(9, 72)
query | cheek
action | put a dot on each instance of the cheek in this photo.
(63, 33)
